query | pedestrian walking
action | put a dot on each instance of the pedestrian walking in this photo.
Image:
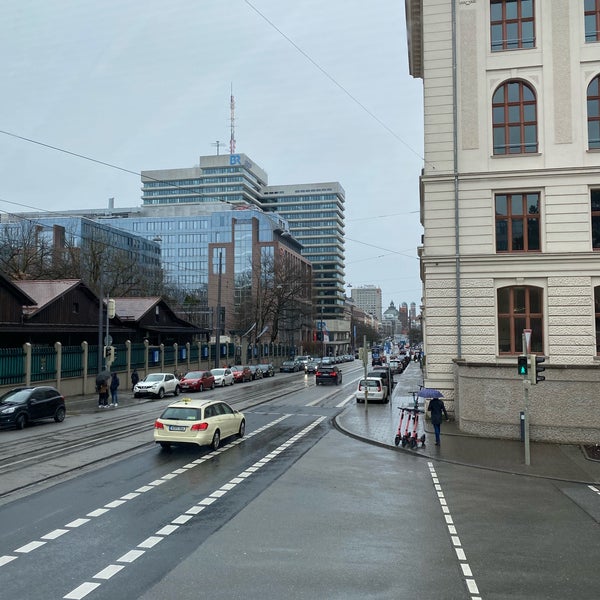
(103, 394)
(114, 386)
(437, 409)
(134, 379)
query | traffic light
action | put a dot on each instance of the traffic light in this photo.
(536, 368)
(109, 353)
(522, 364)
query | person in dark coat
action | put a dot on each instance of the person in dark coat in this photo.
(134, 378)
(437, 409)
(114, 386)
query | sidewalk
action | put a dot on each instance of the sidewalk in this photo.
(379, 425)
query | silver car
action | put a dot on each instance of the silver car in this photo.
(157, 384)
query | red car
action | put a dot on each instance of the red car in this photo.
(197, 381)
(241, 374)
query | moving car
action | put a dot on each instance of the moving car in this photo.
(197, 381)
(223, 376)
(157, 384)
(289, 366)
(376, 388)
(311, 366)
(241, 373)
(200, 422)
(328, 374)
(20, 406)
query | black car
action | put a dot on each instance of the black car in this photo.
(330, 374)
(289, 366)
(256, 371)
(20, 406)
(267, 370)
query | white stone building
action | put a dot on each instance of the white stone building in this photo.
(510, 207)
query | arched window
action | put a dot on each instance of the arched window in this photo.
(514, 119)
(512, 24)
(593, 113)
(519, 308)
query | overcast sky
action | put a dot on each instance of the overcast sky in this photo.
(322, 93)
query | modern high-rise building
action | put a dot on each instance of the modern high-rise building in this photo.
(369, 299)
(313, 214)
(510, 205)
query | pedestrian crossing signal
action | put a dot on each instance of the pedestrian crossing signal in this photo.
(522, 364)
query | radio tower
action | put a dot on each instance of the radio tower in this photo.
(232, 107)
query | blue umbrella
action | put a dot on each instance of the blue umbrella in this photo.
(429, 393)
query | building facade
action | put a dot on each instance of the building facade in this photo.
(510, 208)
(369, 299)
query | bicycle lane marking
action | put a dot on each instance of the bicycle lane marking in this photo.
(150, 542)
(98, 512)
(454, 537)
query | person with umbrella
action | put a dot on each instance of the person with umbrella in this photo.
(102, 388)
(436, 408)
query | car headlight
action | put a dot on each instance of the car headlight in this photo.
(8, 410)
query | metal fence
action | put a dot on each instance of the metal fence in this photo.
(41, 363)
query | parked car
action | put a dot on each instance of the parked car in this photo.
(289, 366)
(328, 374)
(256, 371)
(157, 384)
(376, 388)
(223, 376)
(385, 374)
(267, 369)
(241, 373)
(20, 406)
(311, 366)
(199, 422)
(197, 381)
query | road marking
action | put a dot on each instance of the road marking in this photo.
(89, 586)
(456, 543)
(123, 499)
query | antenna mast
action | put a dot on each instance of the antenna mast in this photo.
(232, 107)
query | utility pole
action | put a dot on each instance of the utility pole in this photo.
(217, 318)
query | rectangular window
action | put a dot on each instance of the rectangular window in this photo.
(519, 308)
(512, 24)
(518, 222)
(591, 10)
(595, 213)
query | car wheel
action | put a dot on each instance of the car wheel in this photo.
(242, 429)
(165, 445)
(136, 395)
(176, 392)
(59, 415)
(212, 387)
(216, 441)
(161, 393)
(201, 388)
(21, 421)
(223, 382)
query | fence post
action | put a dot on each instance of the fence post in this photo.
(128, 359)
(146, 345)
(58, 349)
(175, 349)
(162, 358)
(27, 365)
(187, 350)
(84, 347)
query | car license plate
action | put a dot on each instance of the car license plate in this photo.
(176, 428)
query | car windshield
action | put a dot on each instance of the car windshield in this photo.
(176, 413)
(15, 397)
(154, 377)
(194, 375)
(218, 371)
(369, 383)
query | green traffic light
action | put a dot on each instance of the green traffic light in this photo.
(522, 364)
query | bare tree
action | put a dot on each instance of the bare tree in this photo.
(25, 250)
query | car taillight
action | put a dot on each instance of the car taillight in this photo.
(199, 427)
(158, 425)
(318, 373)
(378, 387)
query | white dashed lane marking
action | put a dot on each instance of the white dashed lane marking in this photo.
(27, 548)
(109, 571)
(454, 538)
